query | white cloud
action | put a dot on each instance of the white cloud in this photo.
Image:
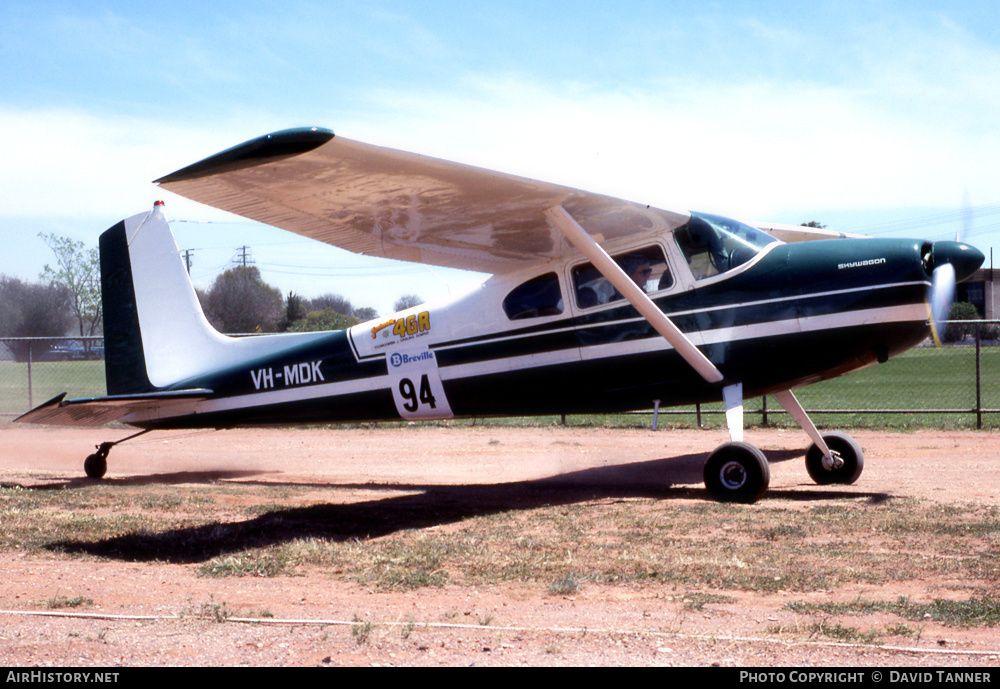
(751, 148)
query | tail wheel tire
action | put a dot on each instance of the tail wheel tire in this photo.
(849, 460)
(737, 472)
(96, 465)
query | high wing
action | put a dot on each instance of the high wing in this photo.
(383, 202)
(801, 233)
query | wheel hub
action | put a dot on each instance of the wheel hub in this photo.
(833, 462)
(733, 475)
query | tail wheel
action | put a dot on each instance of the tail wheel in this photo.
(96, 465)
(847, 465)
(737, 472)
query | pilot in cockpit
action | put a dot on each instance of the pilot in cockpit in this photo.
(638, 268)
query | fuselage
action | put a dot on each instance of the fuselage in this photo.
(538, 343)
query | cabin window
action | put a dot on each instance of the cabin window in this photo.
(539, 296)
(712, 245)
(647, 267)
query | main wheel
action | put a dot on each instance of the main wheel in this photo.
(848, 460)
(96, 465)
(737, 472)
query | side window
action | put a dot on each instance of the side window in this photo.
(647, 267)
(538, 296)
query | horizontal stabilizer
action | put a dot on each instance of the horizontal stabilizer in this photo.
(97, 411)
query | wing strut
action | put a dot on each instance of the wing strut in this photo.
(787, 400)
(732, 394)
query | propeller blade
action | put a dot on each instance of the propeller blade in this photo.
(942, 293)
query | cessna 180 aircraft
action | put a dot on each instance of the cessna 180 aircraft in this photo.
(594, 304)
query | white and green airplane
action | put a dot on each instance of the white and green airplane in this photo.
(594, 304)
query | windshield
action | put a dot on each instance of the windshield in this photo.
(712, 244)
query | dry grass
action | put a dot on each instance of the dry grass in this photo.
(560, 538)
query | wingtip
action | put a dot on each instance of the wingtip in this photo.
(281, 144)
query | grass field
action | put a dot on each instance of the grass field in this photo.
(697, 552)
(919, 381)
(48, 379)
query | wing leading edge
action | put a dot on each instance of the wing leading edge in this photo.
(384, 202)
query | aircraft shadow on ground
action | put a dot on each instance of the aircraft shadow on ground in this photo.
(434, 505)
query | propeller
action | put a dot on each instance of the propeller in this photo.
(939, 298)
(948, 263)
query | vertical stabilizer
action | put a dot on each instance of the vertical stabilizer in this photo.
(156, 334)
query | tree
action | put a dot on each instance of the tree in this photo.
(340, 304)
(295, 309)
(365, 313)
(407, 301)
(327, 319)
(813, 223)
(334, 302)
(239, 301)
(961, 311)
(79, 270)
(32, 310)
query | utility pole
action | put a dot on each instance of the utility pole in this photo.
(243, 257)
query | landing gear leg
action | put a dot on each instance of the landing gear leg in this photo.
(736, 471)
(832, 458)
(96, 465)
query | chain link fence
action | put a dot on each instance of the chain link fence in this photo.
(36, 369)
(955, 386)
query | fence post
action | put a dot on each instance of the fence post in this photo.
(979, 378)
(763, 410)
(31, 401)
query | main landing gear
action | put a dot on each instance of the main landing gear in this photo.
(96, 465)
(739, 472)
(844, 465)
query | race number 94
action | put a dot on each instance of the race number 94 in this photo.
(415, 396)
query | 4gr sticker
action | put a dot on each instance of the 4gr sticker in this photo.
(404, 328)
(416, 385)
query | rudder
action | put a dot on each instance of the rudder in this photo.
(124, 362)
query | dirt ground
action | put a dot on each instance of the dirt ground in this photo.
(144, 612)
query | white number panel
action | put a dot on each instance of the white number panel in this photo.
(416, 385)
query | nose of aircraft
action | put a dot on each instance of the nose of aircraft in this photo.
(964, 259)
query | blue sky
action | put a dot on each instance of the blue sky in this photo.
(872, 117)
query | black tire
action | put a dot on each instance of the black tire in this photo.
(96, 465)
(847, 450)
(737, 472)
